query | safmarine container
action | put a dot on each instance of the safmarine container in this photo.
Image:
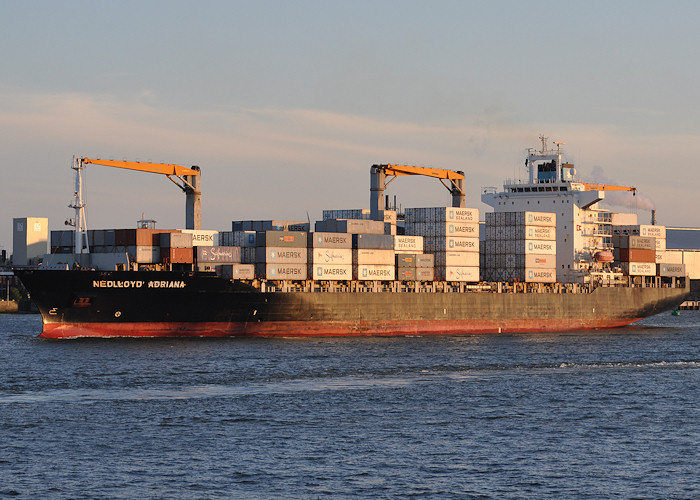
(330, 256)
(220, 254)
(457, 273)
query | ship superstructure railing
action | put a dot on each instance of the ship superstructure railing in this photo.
(596, 280)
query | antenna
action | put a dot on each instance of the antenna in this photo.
(559, 145)
(544, 143)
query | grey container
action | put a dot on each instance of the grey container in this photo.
(415, 274)
(294, 239)
(176, 240)
(281, 255)
(373, 241)
(219, 254)
(281, 271)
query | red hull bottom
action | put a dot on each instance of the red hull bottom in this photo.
(325, 329)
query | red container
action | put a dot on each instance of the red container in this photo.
(637, 255)
(176, 255)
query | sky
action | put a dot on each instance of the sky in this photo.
(285, 105)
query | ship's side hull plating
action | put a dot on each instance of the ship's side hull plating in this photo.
(170, 304)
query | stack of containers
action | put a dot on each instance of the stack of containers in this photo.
(281, 255)
(176, 247)
(636, 255)
(520, 246)
(650, 231)
(415, 267)
(452, 235)
(373, 257)
(351, 226)
(330, 256)
(225, 260)
(269, 225)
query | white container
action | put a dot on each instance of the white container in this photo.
(330, 240)
(330, 272)
(639, 268)
(373, 272)
(330, 256)
(542, 233)
(202, 237)
(524, 247)
(458, 259)
(412, 244)
(457, 273)
(538, 275)
(536, 219)
(236, 271)
(281, 255)
(281, 271)
(373, 257)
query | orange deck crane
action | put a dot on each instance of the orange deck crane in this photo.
(188, 179)
(379, 182)
(606, 187)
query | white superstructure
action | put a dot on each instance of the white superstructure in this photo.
(583, 229)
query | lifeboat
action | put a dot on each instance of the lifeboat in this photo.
(604, 256)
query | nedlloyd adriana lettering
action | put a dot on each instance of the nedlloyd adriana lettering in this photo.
(137, 284)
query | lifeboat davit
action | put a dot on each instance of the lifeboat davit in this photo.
(604, 256)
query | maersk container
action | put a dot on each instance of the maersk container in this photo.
(408, 244)
(330, 272)
(176, 240)
(373, 272)
(373, 257)
(220, 254)
(457, 273)
(203, 237)
(536, 218)
(535, 247)
(639, 268)
(292, 239)
(536, 275)
(535, 233)
(281, 271)
(415, 274)
(442, 214)
(373, 241)
(634, 242)
(450, 244)
(330, 256)
(282, 255)
(671, 270)
(456, 259)
(330, 240)
(236, 271)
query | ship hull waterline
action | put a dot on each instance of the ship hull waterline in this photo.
(129, 304)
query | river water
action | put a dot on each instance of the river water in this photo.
(603, 414)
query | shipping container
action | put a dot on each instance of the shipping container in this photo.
(535, 247)
(415, 260)
(536, 275)
(536, 219)
(456, 259)
(244, 238)
(281, 271)
(336, 256)
(248, 255)
(147, 254)
(352, 213)
(203, 237)
(330, 272)
(639, 268)
(408, 244)
(451, 243)
(373, 256)
(415, 274)
(372, 272)
(281, 255)
(442, 214)
(671, 270)
(373, 241)
(543, 233)
(176, 240)
(457, 273)
(330, 240)
(634, 255)
(636, 242)
(176, 255)
(236, 271)
(292, 239)
(642, 230)
(221, 254)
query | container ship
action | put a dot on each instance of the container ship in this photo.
(550, 259)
